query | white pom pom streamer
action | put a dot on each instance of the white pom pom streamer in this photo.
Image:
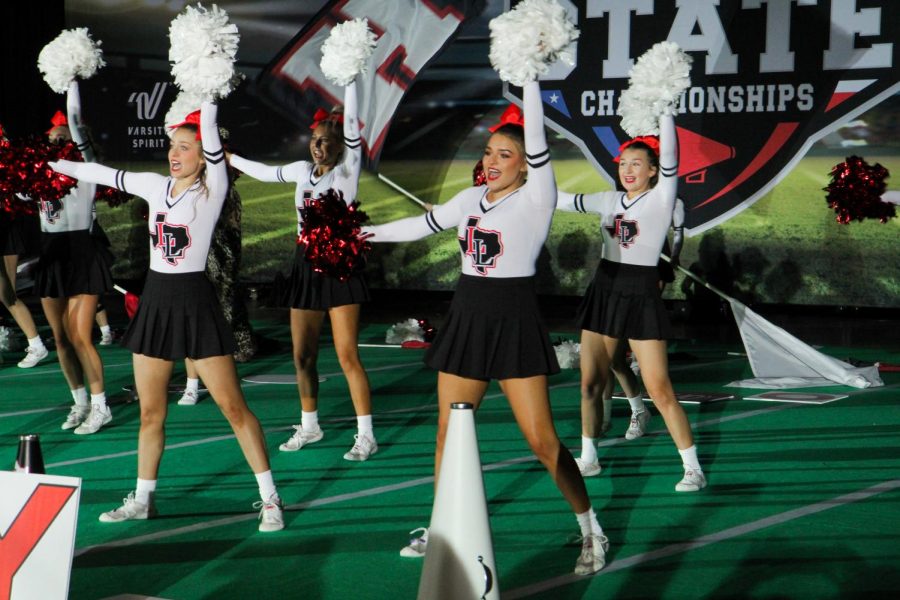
(568, 354)
(183, 105)
(528, 39)
(4, 339)
(202, 50)
(346, 51)
(71, 54)
(655, 86)
(405, 331)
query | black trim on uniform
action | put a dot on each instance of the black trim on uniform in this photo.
(532, 159)
(353, 143)
(432, 223)
(668, 171)
(120, 180)
(579, 203)
(279, 176)
(215, 157)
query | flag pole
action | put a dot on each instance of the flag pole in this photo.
(406, 193)
(697, 278)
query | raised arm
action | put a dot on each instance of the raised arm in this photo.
(213, 152)
(537, 155)
(668, 160)
(73, 110)
(351, 162)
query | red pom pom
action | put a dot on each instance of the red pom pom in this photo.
(855, 191)
(111, 196)
(24, 169)
(330, 233)
(478, 175)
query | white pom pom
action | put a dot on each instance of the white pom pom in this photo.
(203, 46)
(655, 86)
(528, 39)
(346, 51)
(71, 54)
(568, 354)
(183, 105)
(4, 339)
(405, 331)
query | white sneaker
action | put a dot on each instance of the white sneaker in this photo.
(417, 543)
(131, 510)
(271, 514)
(106, 339)
(33, 356)
(98, 417)
(638, 425)
(364, 447)
(693, 481)
(301, 438)
(588, 469)
(77, 415)
(593, 554)
(189, 398)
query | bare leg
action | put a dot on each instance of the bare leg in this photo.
(345, 326)
(151, 376)
(55, 311)
(453, 389)
(306, 326)
(596, 355)
(18, 309)
(80, 312)
(654, 362)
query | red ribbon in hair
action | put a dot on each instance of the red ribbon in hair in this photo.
(511, 116)
(58, 120)
(650, 140)
(191, 119)
(324, 115)
(1, 130)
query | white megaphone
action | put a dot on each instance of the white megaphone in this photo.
(459, 561)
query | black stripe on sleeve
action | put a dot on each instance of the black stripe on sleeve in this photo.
(579, 203)
(432, 223)
(215, 157)
(120, 180)
(668, 171)
(352, 143)
(538, 160)
(279, 176)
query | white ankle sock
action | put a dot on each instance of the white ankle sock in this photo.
(98, 399)
(36, 343)
(588, 449)
(266, 484)
(637, 403)
(105, 329)
(588, 523)
(80, 397)
(144, 488)
(309, 420)
(689, 458)
(364, 425)
(192, 385)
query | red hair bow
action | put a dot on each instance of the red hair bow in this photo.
(650, 140)
(58, 120)
(324, 115)
(191, 119)
(511, 116)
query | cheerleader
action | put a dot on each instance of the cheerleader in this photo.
(72, 273)
(623, 301)
(15, 234)
(494, 329)
(335, 165)
(178, 315)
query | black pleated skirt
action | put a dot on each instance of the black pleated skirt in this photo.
(179, 317)
(72, 263)
(309, 290)
(623, 301)
(20, 236)
(494, 330)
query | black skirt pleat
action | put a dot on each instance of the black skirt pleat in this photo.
(179, 317)
(623, 301)
(72, 263)
(309, 290)
(494, 330)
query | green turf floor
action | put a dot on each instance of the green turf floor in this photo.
(803, 502)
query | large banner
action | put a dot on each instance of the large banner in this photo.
(409, 32)
(769, 78)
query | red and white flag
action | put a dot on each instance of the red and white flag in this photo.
(410, 33)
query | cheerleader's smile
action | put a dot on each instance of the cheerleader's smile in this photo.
(504, 166)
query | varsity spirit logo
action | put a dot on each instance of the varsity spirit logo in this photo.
(147, 104)
(769, 78)
(623, 230)
(171, 240)
(482, 246)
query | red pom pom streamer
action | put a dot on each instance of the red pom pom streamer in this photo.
(330, 233)
(24, 169)
(479, 177)
(855, 191)
(111, 196)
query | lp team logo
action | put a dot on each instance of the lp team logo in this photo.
(482, 246)
(171, 240)
(769, 78)
(623, 230)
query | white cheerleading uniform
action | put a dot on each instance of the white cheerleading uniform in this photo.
(71, 262)
(623, 299)
(180, 230)
(494, 330)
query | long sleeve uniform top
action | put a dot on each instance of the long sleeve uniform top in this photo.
(180, 227)
(74, 211)
(343, 177)
(502, 238)
(635, 229)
